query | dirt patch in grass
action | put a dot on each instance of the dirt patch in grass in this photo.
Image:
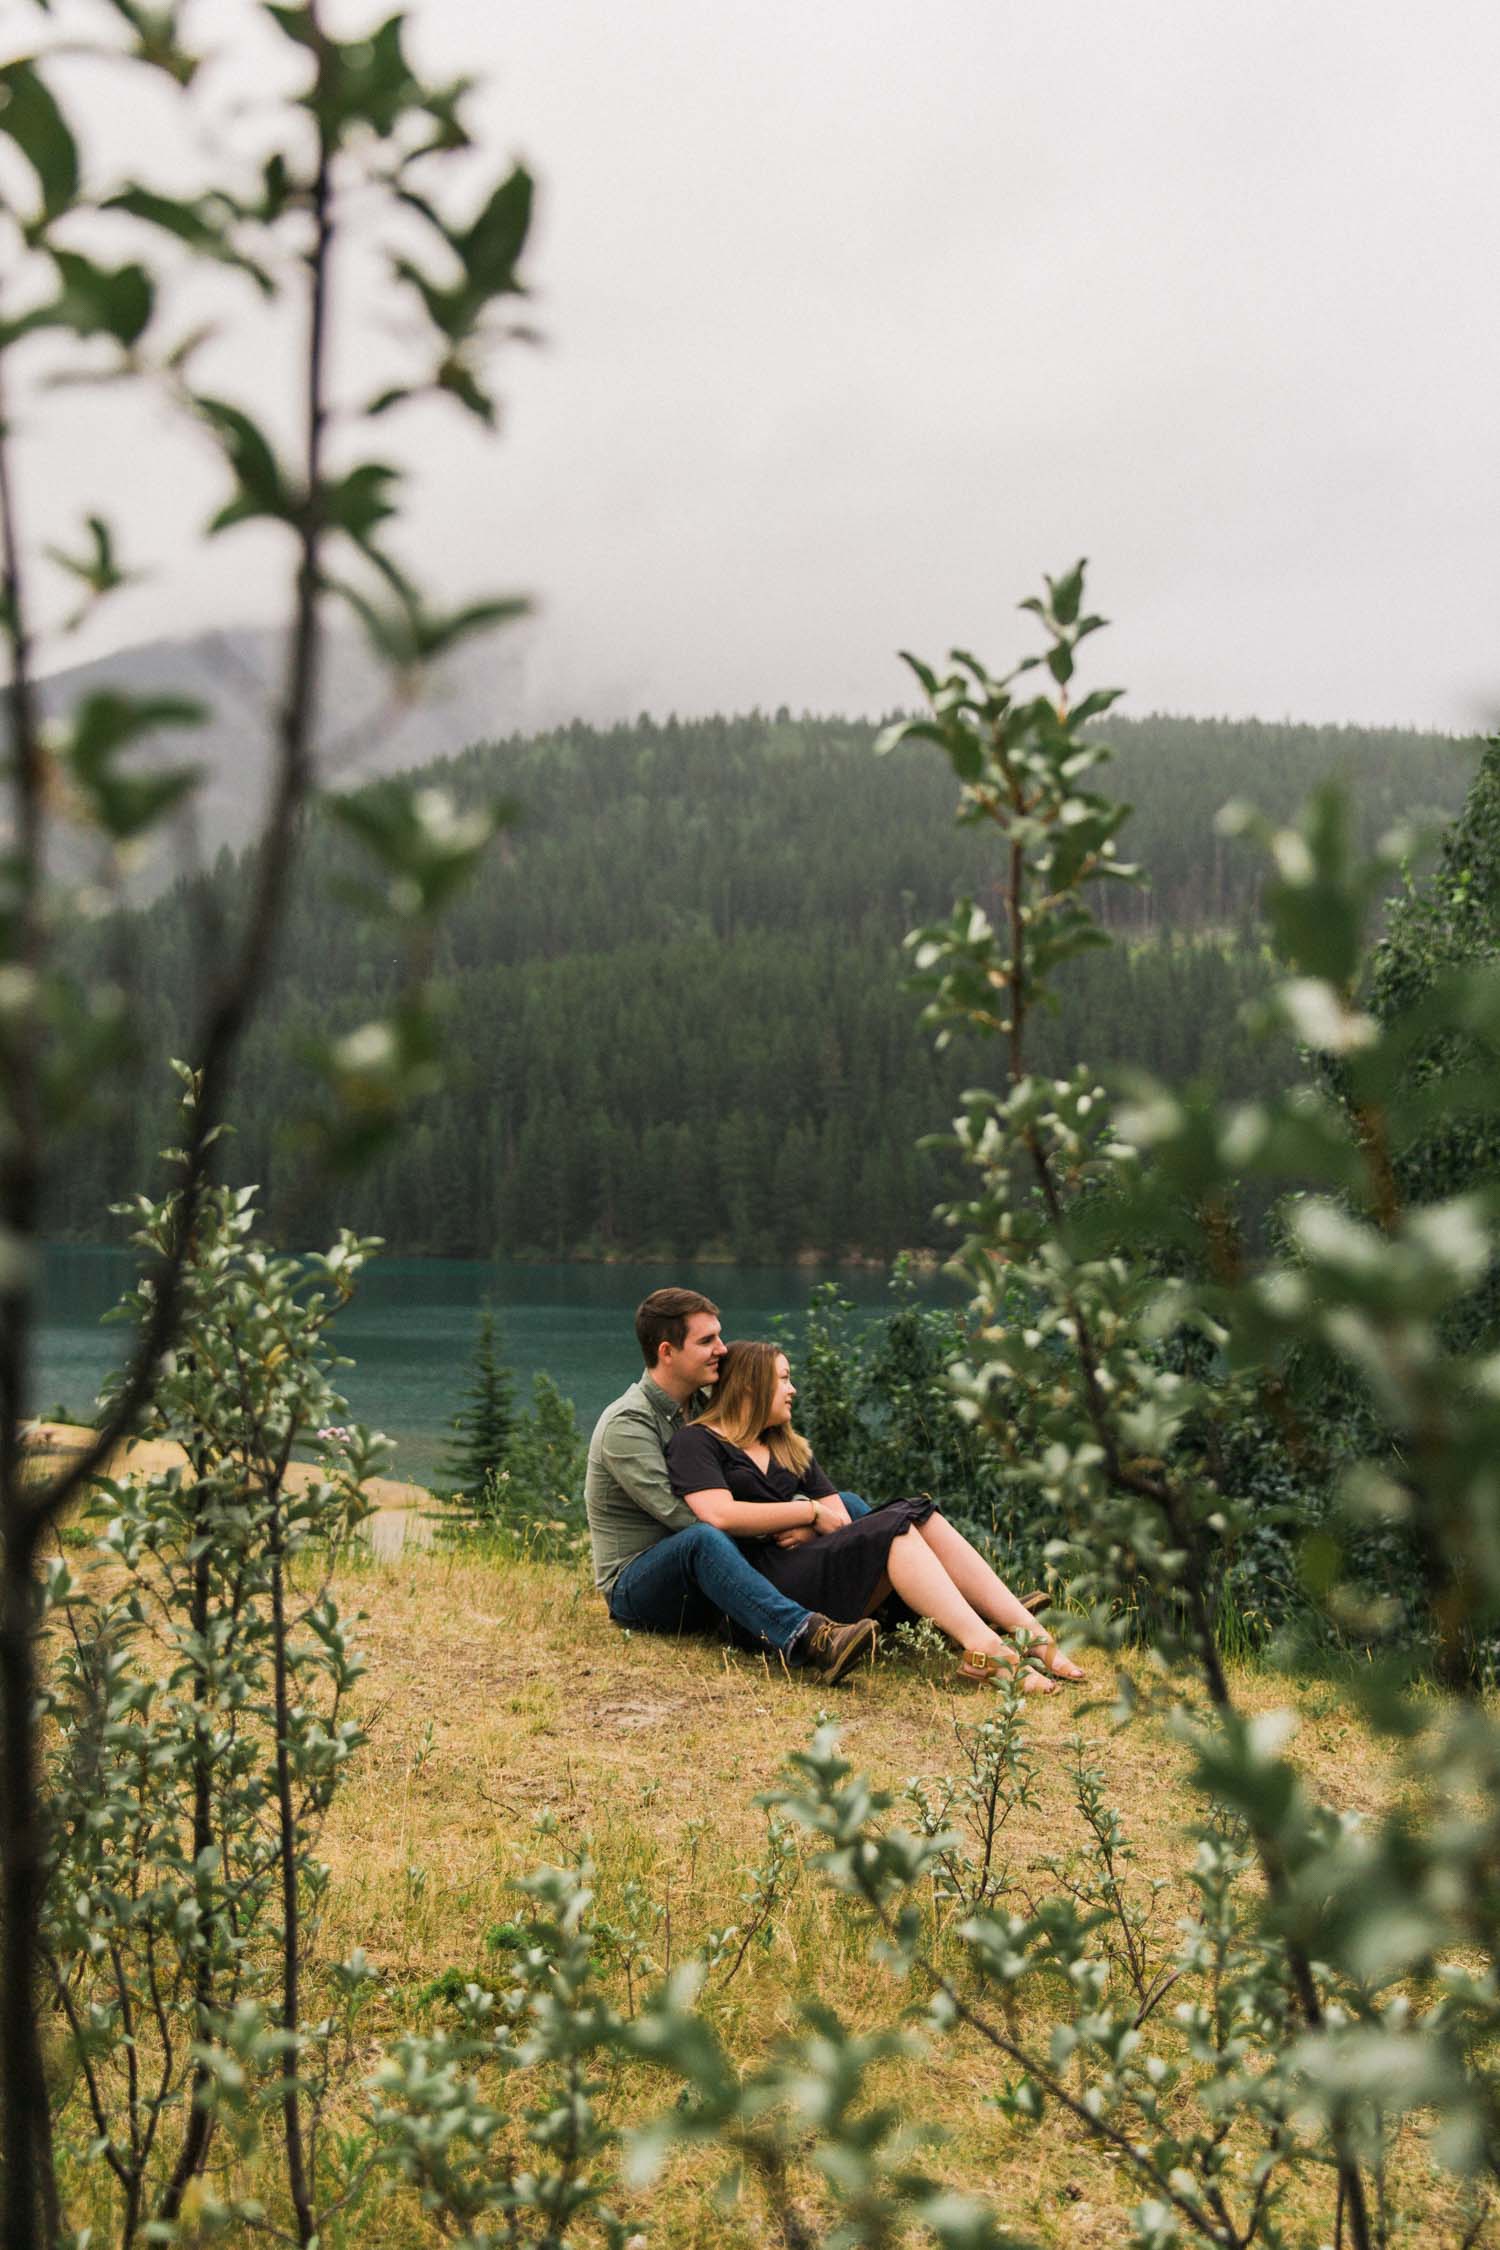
(62, 1442)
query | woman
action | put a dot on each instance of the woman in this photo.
(742, 1467)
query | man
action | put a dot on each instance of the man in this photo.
(659, 1567)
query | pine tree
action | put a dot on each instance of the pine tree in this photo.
(547, 1455)
(485, 1425)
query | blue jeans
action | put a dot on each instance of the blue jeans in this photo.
(689, 1581)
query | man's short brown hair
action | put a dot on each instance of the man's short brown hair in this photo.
(662, 1318)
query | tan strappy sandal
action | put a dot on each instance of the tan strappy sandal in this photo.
(977, 1668)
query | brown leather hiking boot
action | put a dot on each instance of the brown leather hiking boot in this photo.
(830, 1649)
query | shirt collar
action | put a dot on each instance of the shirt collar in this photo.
(661, 1403)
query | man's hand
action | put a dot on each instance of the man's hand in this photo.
(797, 1535)
(832, 1514)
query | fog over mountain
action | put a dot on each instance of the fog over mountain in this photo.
(858, 317)
(483, 691)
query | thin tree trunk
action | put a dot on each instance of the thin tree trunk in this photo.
(31, 2215)
(291, 1955)
(29, 2191)
(301, 703)
(193, 2154)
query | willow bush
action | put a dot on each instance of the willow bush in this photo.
(1386, 1933)
(199, 1730)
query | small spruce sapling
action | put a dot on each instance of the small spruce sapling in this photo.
(484, 1428)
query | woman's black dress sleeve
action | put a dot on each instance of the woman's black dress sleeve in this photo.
(695, 1462)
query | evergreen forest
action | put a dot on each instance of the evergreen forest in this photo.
(676, 1022)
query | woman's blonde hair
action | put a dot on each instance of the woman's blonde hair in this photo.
(740, 1408)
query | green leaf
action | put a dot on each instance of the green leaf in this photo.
(203, 224)
(358, 503)
(101, 300)
(1066, 594)
(405, 633)
(383, 401)
(30, 115)
(298, 23)
(909, 730)
(443, 105)
(460, 382)
(106, 720)
(965, 753)
(365, 81)
(445, 307)
(125, 805)
(1094, 705)
(425, 843)
(924, 672)
(492, 246)
(374, 1074)
(263, 490)
(276, 189)
(375, 80)
(1239, 1764)
(975, 669)
(96, 568)
(488, 251)
(157, 40)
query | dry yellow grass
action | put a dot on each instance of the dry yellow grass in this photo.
(511, 1724)
(498, 1695)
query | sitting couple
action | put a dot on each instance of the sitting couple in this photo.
(705, 1504)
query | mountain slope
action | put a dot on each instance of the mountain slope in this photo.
(677, 1015)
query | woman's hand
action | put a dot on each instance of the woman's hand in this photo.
(832, 1514)
(798, 1536)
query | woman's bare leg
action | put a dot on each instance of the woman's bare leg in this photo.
(986, 1592)
(925, 1586)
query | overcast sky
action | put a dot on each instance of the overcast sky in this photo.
(860, 316)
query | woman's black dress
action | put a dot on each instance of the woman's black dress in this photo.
(838, 1572)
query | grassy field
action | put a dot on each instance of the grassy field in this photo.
(511, 1724)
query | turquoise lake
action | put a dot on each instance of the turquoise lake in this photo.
(411, 1329)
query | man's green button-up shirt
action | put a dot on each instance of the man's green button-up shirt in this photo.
(627, 1491)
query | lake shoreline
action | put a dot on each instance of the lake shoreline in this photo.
(925, 1262)
(410, 1329)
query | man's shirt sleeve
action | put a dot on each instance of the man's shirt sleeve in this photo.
(631, 1451)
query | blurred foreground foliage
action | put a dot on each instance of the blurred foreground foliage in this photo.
(104, 277)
